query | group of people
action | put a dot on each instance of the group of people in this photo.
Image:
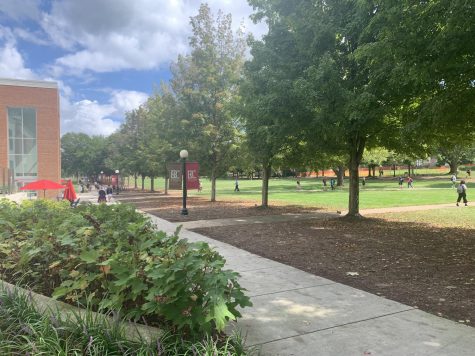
(409, 181)
(105, 194)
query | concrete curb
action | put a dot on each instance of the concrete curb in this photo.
(133, 331)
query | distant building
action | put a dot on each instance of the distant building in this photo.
(29, 132)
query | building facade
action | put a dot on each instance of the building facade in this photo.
(29, 132)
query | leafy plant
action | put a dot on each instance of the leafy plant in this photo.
(24, 329)
(113, 258)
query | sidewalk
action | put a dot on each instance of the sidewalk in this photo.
(297, 313)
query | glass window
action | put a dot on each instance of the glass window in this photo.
(14, 122)
(29, 146)
(29, 123)
(18, 165)
(29, 165)
(22, 145)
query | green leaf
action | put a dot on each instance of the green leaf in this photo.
(90, 256)
(220, 314)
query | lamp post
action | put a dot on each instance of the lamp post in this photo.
(184, 156)
(118, 185)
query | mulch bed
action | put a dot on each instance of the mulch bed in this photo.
(428, 267)
(168, 207)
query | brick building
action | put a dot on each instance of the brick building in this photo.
(29, 132)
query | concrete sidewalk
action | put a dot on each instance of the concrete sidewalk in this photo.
(297, 313)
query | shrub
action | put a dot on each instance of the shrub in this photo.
(113, 258)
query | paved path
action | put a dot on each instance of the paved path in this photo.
(297, 313)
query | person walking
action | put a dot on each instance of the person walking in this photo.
(401, 181)
(332, 184)
(236, 185)
(462, 192)
(363, 182)
(324, 181)
(453, 179)
(109, 192)
(468, 172)
(299, 187)
(102, 196)
(409, 182)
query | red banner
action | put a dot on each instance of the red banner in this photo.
(175, 175)
(192, 175)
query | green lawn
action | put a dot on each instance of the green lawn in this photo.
(462, 217)
(377, 193)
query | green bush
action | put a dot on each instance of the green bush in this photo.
(112, 257)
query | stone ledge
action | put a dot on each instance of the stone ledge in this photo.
(133, 331)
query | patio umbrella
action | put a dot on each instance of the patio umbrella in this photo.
(69, 192)
(43, 185)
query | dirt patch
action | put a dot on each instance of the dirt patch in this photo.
(424, 266)
(168, 207)
(432, 269)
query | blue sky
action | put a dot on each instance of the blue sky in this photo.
(106, 55)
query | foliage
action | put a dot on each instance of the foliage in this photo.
(205, 85)
(113, 258)
(24, 329)
(83, 154)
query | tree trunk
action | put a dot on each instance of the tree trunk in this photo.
(213, 187)
(265, 185)
(356, 154)
(152, 184)
(143, 182)
(340, 175)
(369, 171)
(374, 171)
(166, 185)
(394, 170)
(135, 181)
(453, 167)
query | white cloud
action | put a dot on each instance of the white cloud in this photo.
(28, 9)
(93, 118)
(127, 100)
(12, 64)
(87, 116)
(105, 36)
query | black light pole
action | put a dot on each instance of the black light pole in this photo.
(184, 156)
(118, 185)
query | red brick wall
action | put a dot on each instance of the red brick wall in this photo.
(46, 103)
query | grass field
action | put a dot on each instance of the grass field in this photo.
(462, 217)
(377, 193)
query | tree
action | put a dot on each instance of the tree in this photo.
(375, 157)
(455, 153)
(82, 154)
(205, 84)
(422, 60)
(335, 103)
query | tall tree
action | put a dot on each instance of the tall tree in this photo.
(205, 84)
(319, 39)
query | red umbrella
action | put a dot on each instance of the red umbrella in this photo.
(69, 192)
(43, 185)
